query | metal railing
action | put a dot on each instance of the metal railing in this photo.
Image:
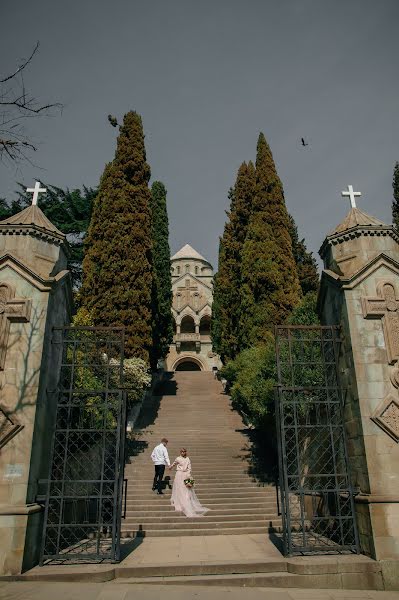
(83, 491)
(316, 489)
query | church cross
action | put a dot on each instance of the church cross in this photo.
(385, 307)
(12, 310)
(352, 195)
(36, 191)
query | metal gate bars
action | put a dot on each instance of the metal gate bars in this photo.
(83, 498)
(315, 484)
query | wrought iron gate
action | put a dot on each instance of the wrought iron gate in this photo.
(316, 491)
(83, 492)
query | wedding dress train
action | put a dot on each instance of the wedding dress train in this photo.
(185, 499)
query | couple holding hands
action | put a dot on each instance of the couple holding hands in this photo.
(184, 498)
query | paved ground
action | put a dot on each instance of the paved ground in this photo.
(199, 549)
(118, 591)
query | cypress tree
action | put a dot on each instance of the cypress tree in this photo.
(395, 203)
(228, 281)
(305, 262)
(270, 286)
(162, 327)
(117, 268)
(215, 318)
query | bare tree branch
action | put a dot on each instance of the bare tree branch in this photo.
(16, 105)
(21, 67)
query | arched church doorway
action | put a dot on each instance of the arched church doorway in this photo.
(188, 364)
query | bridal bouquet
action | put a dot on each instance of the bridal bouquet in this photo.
(189, 482)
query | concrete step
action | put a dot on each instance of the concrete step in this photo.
(205, 482)
(202, 522)
(232, 511)
(204, 486)
(276, 579)
(123, 572)
(229, 469)
(237, 495)
(178, 520)
(163, 503)
(130, 533)
(207, 461)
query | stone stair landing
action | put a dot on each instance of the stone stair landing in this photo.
(191, 410)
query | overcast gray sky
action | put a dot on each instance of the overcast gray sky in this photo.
(207, 76)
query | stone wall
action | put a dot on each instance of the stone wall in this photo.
(32, 301)
(361, 294)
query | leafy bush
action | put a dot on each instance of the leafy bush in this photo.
(136, 377)
(252, 375)
(90, 377)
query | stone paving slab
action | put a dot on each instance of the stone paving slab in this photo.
(212, 555)
(116, 591)
(201, 549)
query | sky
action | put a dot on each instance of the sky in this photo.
(207, 76)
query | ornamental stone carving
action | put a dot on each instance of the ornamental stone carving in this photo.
(12, 310)
(387, 417)
(8, 428)
(385, 307)
(189, 295)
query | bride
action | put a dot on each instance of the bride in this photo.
(184, 499)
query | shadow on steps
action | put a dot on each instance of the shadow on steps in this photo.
(261, 455)
(149, 413)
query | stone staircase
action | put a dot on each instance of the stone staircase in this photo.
(191, 410)
(231, 545)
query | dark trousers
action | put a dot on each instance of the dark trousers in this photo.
(159, 472)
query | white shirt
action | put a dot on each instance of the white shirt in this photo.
(160, 455)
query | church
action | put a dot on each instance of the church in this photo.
(192, 287)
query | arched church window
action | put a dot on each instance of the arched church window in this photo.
(187, 268)
(187, 325)
(196, 270)
(205, 325)
(178, 270)
(178, 296)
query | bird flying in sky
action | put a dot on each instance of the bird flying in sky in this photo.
(112, 120)
(303, 142)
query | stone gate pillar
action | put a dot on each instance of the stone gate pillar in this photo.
(360, 291)
(35, 295)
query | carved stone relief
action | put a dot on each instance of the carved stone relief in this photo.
(8, 428)
(387, 417)
(189, 295)
(12, 310)
(385, 306)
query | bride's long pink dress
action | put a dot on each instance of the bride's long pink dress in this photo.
(184, 499)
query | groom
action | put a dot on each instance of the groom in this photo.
(160, 458)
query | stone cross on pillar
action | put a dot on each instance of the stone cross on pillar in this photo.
(11, 310)
(352, 195)
(36, 191)
(385, 307)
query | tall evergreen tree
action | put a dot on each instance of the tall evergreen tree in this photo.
(162, 325)
(305, 261)
(226, 322)
(215, 318)
(270, 286)
(395, 203)
(117, 268)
